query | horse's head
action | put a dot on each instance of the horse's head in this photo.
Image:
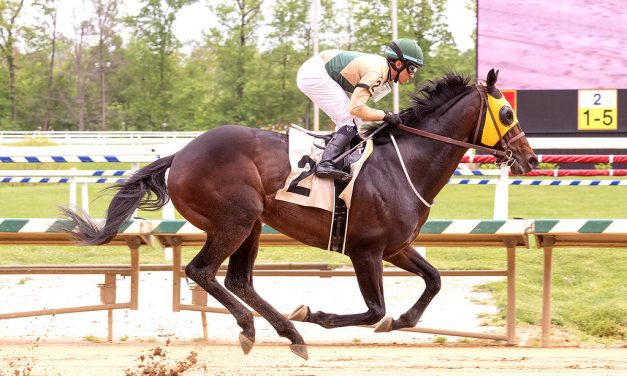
(498, 128)
(451, 110)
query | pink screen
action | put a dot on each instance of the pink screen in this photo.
(554, 44)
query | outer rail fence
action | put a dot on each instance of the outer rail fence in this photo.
(43, 232)
(572, 233)
(510, 234)
(177, 234)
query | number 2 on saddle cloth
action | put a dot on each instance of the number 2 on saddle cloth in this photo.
(304, 188)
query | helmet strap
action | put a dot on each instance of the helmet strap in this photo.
(395, 68)
(401, 57)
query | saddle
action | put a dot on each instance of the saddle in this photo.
(303, 188)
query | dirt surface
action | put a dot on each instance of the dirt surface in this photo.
(350, 359)
(153, 340)
(457, 307)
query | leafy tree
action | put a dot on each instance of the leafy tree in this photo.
(154, 24)
(44, 38)
(78, 104)
(193, 98)
(154, 59)
(106, 13)
(243, 72)
(235, 46)
(289, 42)
(9, 12)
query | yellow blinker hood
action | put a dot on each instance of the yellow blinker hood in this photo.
(489, 135)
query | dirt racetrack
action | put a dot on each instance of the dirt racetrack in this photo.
(168, 341)
(211, 359)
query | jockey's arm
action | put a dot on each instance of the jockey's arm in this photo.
(360, 109)
(368, 83)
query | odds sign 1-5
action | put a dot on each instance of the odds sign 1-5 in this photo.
(597, 110)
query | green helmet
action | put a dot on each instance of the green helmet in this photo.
(405, 49)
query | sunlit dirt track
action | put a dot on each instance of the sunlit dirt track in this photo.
(352, 359)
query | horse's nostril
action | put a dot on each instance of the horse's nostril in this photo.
(533, 161)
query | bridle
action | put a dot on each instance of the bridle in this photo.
(504, 156)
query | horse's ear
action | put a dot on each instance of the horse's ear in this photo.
(492, 76)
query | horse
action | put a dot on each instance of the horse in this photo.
(225, 180)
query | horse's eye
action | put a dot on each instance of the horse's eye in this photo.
(506, 114)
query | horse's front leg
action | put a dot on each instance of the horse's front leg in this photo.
(410, 260)
(369, 271)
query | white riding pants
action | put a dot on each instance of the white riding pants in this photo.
(314, 81)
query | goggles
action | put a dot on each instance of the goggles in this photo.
(411, 68)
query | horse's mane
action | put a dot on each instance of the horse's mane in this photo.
(426, 99)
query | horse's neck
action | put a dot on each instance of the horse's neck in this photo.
(430, 164)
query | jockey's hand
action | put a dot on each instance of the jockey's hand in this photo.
(392, 118)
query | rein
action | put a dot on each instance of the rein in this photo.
(449, 140)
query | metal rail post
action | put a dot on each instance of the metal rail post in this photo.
(511, 293)
(547, 287)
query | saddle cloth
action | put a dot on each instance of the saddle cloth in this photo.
(302, 187)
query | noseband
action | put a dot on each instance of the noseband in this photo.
(503, 156)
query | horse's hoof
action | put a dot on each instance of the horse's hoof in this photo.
(246, 343)
(299, 314)
(384, 325)
(300, 350)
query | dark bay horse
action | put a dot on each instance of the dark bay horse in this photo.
(224, 182)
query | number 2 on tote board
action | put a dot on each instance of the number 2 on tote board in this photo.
(597, 110)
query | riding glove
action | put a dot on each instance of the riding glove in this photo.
(392, 118)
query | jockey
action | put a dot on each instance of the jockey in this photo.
(326, 77)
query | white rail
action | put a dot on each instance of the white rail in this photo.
(98, 138)
(171, 142)
(181, 138)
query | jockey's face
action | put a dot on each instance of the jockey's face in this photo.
(405, 76)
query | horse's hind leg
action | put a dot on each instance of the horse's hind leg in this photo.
(369, 271)
(410, 260)
(203, 268)
(239, 280)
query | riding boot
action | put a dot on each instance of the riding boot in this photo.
(326, 168)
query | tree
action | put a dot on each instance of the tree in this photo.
(155, 47)
(45, 37)
(237, 54)
(9, 12)
(243, 72)
(106, 21)
(289, 41)
(154, 24)
(82, 31)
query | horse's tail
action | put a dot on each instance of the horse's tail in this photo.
(133, 194)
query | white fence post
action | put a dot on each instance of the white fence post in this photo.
(501, 194)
